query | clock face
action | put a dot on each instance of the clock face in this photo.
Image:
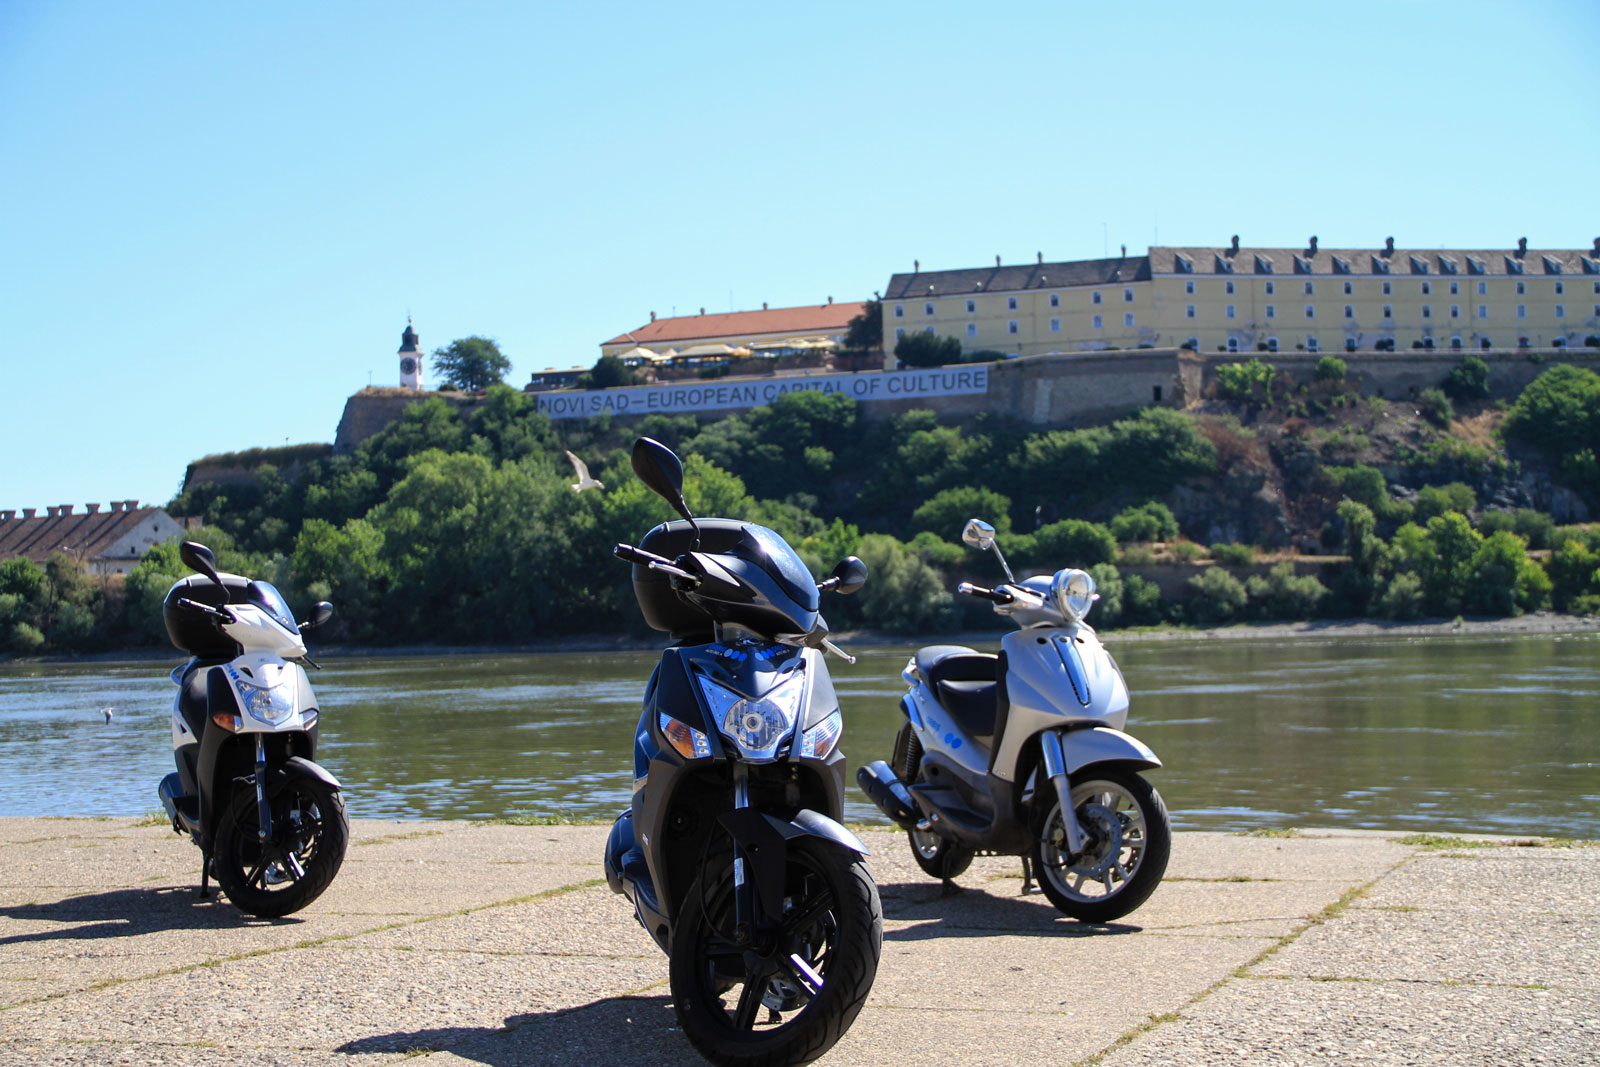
(408, 365)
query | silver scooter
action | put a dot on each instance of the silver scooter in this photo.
(1023, 753)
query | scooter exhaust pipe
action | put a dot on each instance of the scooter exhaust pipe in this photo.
(887, 791)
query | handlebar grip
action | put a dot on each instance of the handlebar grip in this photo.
(985, 594)
(637, 555)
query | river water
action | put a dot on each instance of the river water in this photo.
(1498, 735)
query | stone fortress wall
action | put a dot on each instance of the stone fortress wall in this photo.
(1062, 390)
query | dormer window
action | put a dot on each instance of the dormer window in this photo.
(1448, 266)
(1419, 265)
(1341, 265)
(1380, 266)
(1263, 264)
(1223, 266)
(1302, 265)
(1552, 266)
(1476, 266)
(1182, 264)
(1513, 266)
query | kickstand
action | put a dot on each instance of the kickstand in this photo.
(205, 873)
(1027, 877)
(949, 888)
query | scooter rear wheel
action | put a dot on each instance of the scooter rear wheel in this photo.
(1129, 840)
(309, 834)
(938, 857)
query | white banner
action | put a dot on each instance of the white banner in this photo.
(718, 395)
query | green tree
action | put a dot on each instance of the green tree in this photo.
(1559, 413)
(1437, 499)
(1283, 594)
(1150, 521)
(1330, 369)
(1216, 596)
(1468, 380)
(470, 364)
(865, 331)
(608, 372)
(903, 594)
(946, 512)
(922, 349)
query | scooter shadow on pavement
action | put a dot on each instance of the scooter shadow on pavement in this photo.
(131, 913)
(976, 912)
(627, 1031)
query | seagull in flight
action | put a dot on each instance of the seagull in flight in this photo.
(582, 470)
(108, 712)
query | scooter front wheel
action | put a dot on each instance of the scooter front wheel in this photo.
(1128, 838)
(790, 993)
(291, 869)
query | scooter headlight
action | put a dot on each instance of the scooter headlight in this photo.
(1073, 593)
(756, 725)
(270, 704)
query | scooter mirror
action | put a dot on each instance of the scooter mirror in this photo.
(978, 534)
(661, 470)
(321, 612)
(850, 574)
(198, 557)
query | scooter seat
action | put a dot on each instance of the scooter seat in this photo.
(964, 681)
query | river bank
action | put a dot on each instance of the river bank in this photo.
(1540, 622)
(452, 944)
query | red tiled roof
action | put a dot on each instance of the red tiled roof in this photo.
(813, 318)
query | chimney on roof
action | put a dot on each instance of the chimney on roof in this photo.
(49, 511)
(997, 261)
(763, 305)
(29, 513)
(830, 299)
(116, 505)
(1522, 247)
(91, 508)
(64, 509)
(702, 311)
(7, 515)
(1124, 251)
(652, 316)
(1041, 258)
(130, 505)
(1233, 251)
(1388, 247)
(1311, 249)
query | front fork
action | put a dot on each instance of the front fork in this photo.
(1055, 766)
(263, 809)
(742, 904)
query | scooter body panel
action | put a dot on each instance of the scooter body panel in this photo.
(1060, 676)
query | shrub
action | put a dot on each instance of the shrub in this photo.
(1402, 599)
(946, 512)
(1246, 381)
(1136, 556)
(1108, 583)
(1150, 521)
(1234, 555)
(1283, 594)
(904, 594)
(1363, 484)
(1141, 602)
(1437, 499)
(1074, 542)
(921, 349)
(1574, 572)
(1330, 369)
(24, 638)
(1434, 406)
(936, 551)
(1185, 551)
(1468, 380)
(1217, 596)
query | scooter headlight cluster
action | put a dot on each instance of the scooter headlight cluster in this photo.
(757, 725)
(1073, 593)
(269, 704)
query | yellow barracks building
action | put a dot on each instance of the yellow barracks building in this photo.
(1235, 299)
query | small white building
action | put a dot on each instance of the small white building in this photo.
(112, 541)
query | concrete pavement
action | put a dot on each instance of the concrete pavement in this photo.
(466, 943)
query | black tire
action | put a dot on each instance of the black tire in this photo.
(1129, 842)
(309, 830)
(837, 929)
(939, 857)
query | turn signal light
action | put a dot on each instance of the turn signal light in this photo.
(685, 739)
(228, 722)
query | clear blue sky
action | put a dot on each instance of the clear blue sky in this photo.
(217, 216)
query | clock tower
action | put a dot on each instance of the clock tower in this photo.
(410, 359)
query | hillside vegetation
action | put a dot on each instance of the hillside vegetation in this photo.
(461, 526)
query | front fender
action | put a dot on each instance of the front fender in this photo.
(300, 767)
(808, 823)
(764, 841)
(1102, 744)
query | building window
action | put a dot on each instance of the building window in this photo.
(1483, 311)
(1485, 345)
(1231, 312)
(1427, 343)
(928, 330)
(1272, 311)
(1011, 327)
(1349, 344)
(1455, 288)
(972, 329)
(1272, 344)
(899, 332)
(1272, 288)
(1097, 322)
(1311, 311)
(1349, 312)
(1055, 300)
(1427, 311)
(1561, 288)
(1311, 288)
(1127, 296)
(1561, 311)
(1233, 344)
(1230, 288)
(1427, 288)
(1522, 288)
(1349, 287)
(927, 310)
(1455, 342)
(1522, 311)
(1127, 318)
(1311, 345)
(1455, 311)
(1388, 287)
(1188, 288)
(1559, 342)
(1522, 342)
(1188, 311)
(899, 311)
(1483, 288)
(1094, 297)
(1011, 303)
(972, 307)
(1388, 311)
(1055, 325)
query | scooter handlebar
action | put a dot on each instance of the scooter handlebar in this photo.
(981, 593)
